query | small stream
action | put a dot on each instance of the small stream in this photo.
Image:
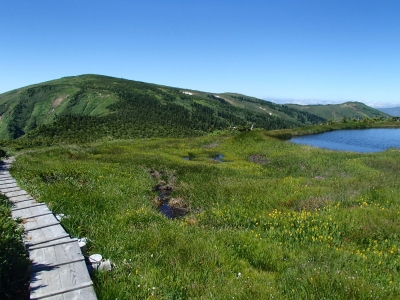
(168, 206)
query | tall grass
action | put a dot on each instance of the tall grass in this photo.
(272, 220)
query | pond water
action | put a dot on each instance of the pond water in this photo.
(166, 210)
(218, 157)
(356, 140)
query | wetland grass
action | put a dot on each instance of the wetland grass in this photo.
(275, 220)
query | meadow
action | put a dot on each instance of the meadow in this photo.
(271, 220)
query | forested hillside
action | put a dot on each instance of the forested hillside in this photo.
(92, 107)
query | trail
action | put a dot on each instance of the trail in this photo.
(58, 269)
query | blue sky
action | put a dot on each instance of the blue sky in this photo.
(305, 51)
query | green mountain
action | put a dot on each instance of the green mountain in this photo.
(339, 111)
(92, 107)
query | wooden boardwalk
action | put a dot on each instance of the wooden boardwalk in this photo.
(58, 269)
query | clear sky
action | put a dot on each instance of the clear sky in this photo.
(326, 50)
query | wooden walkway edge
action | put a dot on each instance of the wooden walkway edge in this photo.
(58, 270)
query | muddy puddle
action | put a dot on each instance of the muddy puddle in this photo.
(214, 158)
(167, 205)
(258, 159)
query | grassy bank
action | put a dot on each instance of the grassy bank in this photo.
(272, 220)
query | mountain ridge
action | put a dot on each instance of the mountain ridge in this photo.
(350, 109)
(121, 108)
(393, 111)
(90, 107)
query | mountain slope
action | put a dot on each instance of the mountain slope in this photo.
(89, 107)
(24, 109)
(340, 111)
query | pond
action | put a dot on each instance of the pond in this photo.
(356, 140)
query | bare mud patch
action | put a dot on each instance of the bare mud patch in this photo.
(310, 204)
(211, 146)
(258, 159)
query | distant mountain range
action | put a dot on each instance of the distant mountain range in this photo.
(387, 109)
(393, 111)
(92, 107)
(339, 111)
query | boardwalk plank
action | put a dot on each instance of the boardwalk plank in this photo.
(9, 185)
(25, 203)
(10, 189)
(20, 198)
(40, 222)
(83, 293)
(68, 277)
(7, 181)
(16, 193)
(59, 242)
(48, 242)
(31, 212)
(45, 235)
(55, 255)
(5, 175)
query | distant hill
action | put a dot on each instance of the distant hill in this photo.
(91, 107)
(340, 111)
(393, 111)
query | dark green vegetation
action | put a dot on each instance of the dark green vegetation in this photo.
(14, 263)
(351, 110)
(92, 107)
(274, 219)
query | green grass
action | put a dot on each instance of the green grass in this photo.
(297, 223)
